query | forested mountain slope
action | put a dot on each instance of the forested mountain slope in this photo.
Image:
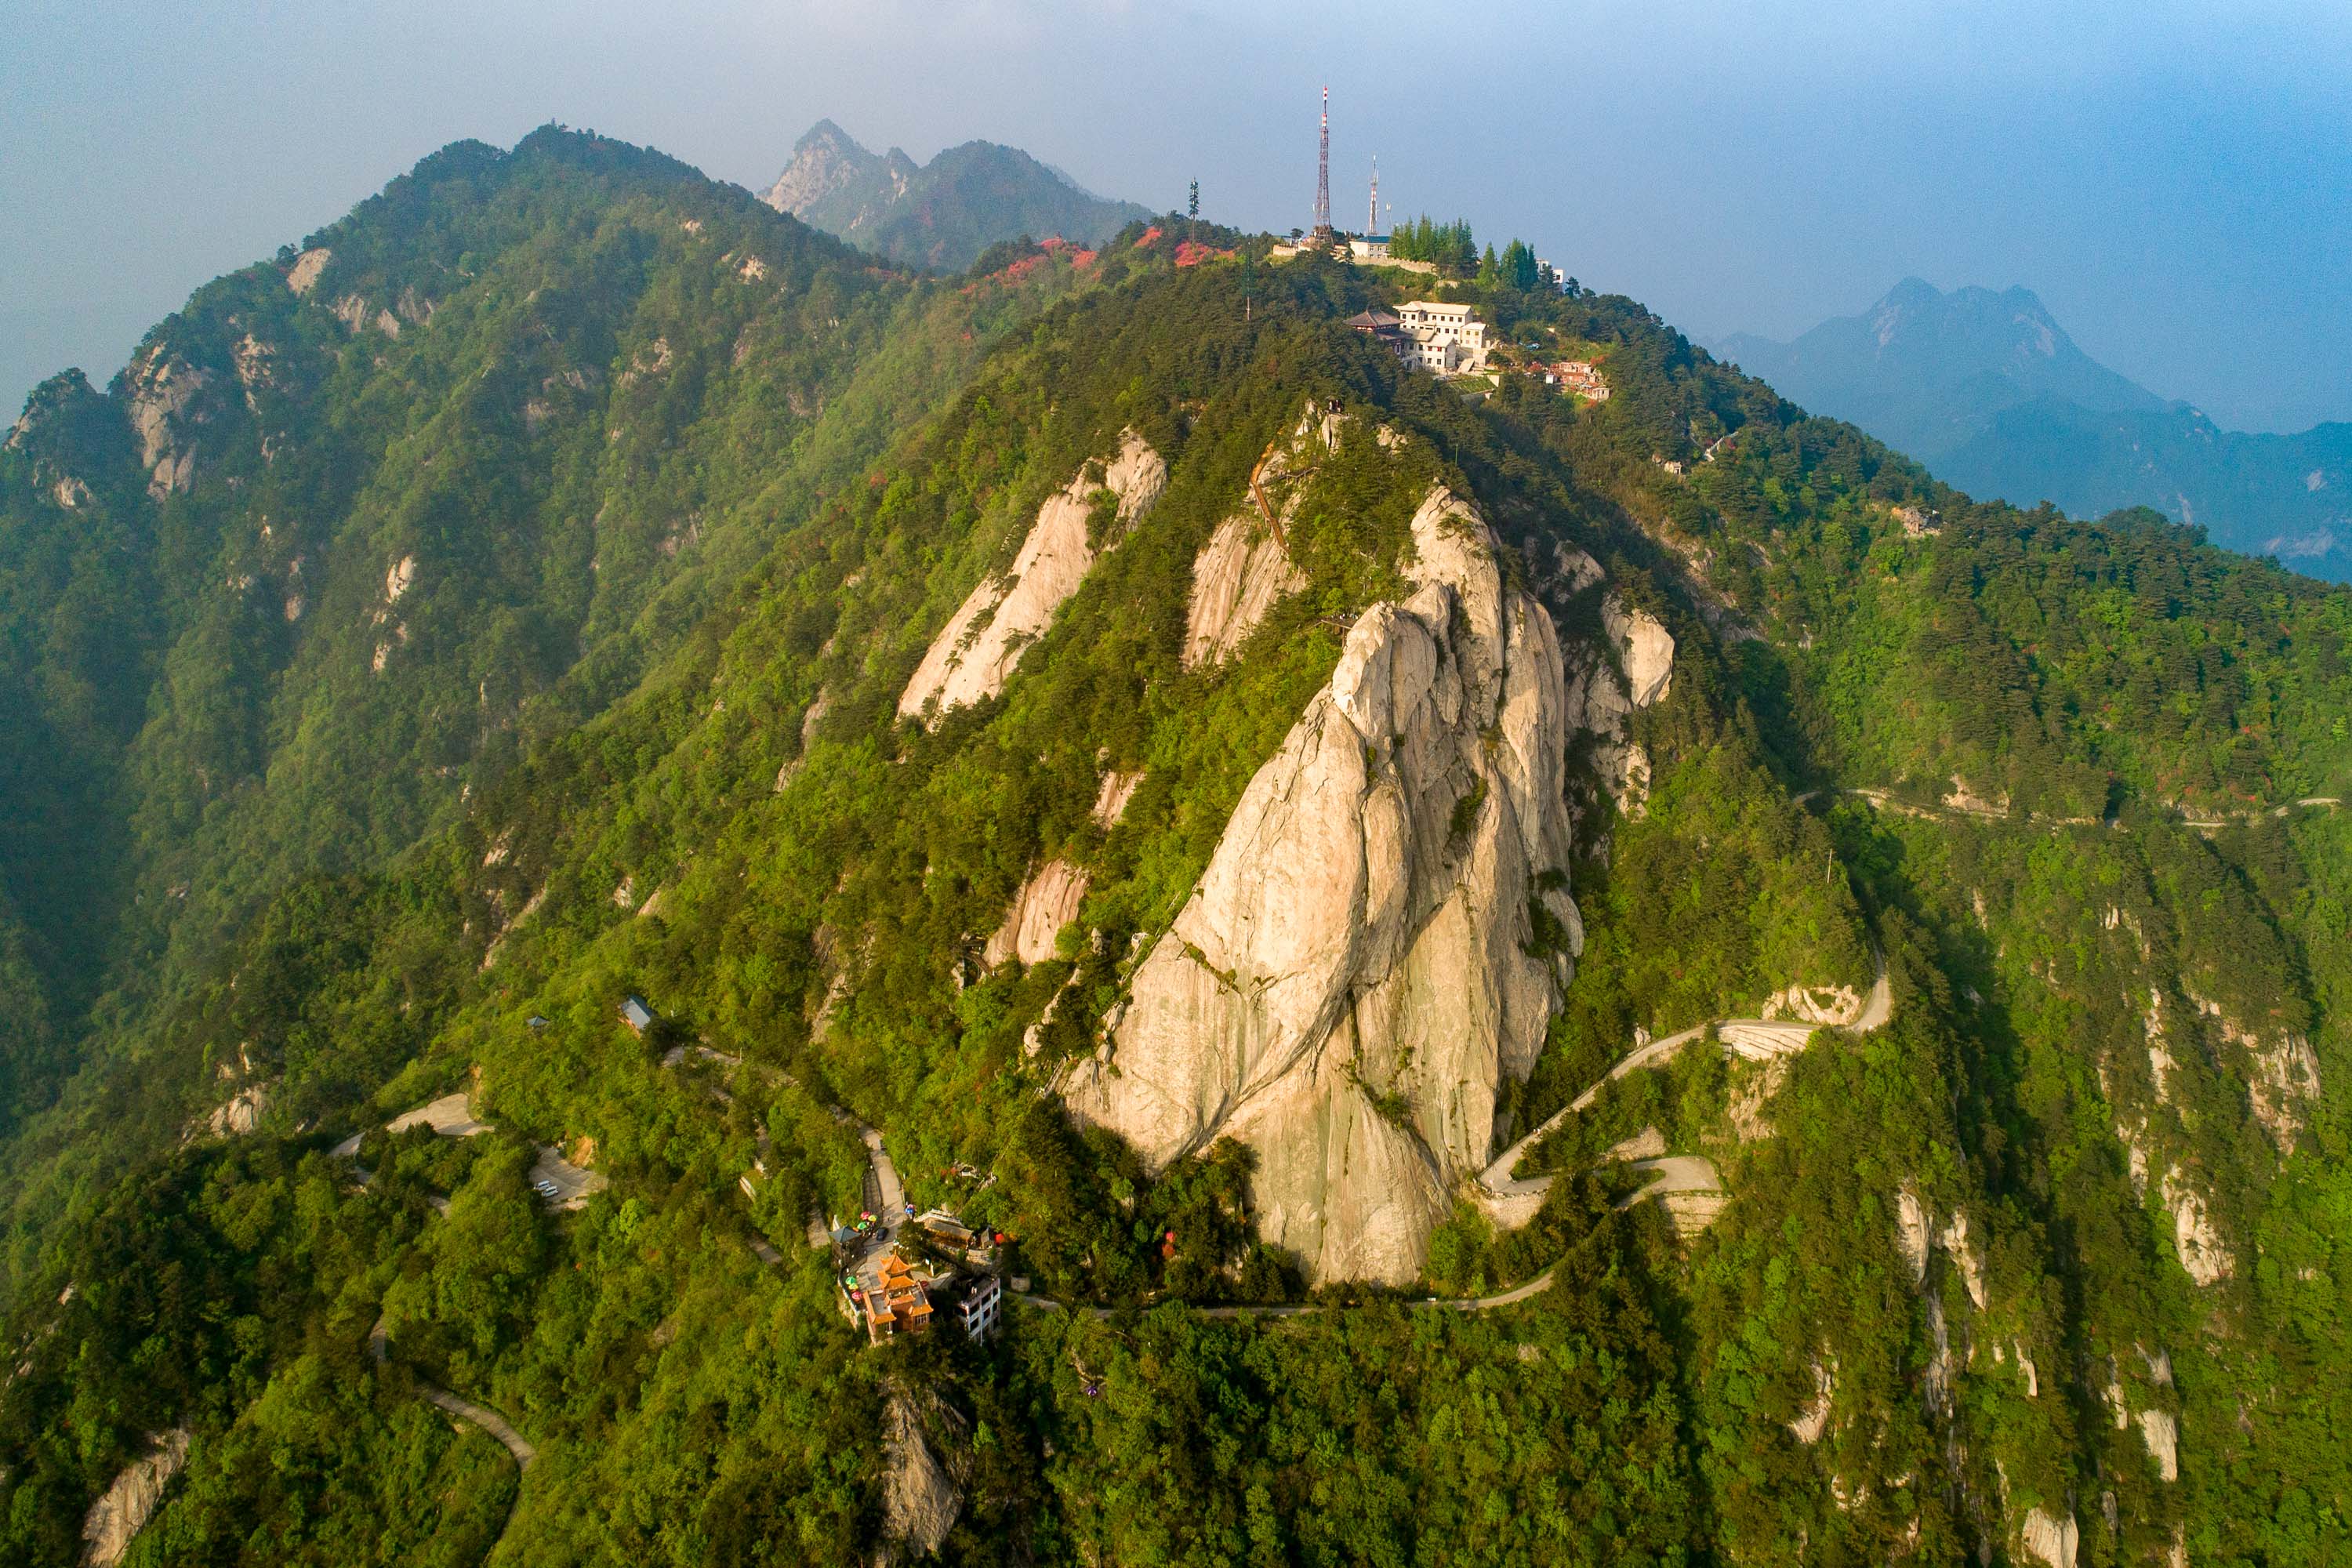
(358, 528)
(1200, 792)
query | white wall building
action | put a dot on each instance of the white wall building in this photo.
(1447, 339)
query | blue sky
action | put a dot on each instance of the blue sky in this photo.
(2174, 179)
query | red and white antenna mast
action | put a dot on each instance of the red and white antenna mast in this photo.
(1323, 175)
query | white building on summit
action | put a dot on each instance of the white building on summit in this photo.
(1447, 339)
(1443, 338)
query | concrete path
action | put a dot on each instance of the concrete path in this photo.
(481, 1415)
(1883, 801)
(1754, 1038)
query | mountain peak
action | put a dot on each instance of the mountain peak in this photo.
(1924, 368)
(939, 214)
(1915, 293)
(825, 133)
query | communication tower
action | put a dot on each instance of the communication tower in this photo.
(1322, 234)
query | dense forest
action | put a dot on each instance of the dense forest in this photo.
(505, 603)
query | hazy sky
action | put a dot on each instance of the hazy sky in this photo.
(2174, 179)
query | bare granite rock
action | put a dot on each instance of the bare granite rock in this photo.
(240, 1114)
(303, 276)
(1645, 648)
(920, 1500)
(124, 1508)
(1911, 1233)
(979, 648)
(1241, 574)
(1110, 800)
(1046, 902)
(163, 389)
(1245, 568)
(1354, 977)
(2051, 1539)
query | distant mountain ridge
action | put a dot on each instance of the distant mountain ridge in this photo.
(1989, 390)
(942, 215)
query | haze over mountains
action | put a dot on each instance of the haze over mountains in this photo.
(940, 214)
(1838, 986)
(1989, 390)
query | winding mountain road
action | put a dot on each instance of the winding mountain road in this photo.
(1758, 1039)
(1885, 801)
(481, 1415)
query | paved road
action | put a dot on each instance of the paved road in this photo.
(885, 1198)
(1753, 1038)
(481, 1415)
(1674, 1174)
(1886, 802)
(487, 1419)
(452, 1116)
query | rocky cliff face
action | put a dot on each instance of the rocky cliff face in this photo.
(1358, 973)
(1245, 568)
(124, 1508)
(1046, 902)
(919, 1499)
(161, 389)
(979, 648)
(824, 162)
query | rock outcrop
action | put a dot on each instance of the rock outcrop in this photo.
(1242, 572)
(1110, 800)
(1644, 647)
(920, 1500)
(1911, 1233)
(124, 1508)
(1048, 901)
(1831, 1005)
(1245, 568)
(2202, 1252)
(1813, 1419)
(240, 1114)
(1356, 975)
(2281, 1073)
(2161, 1432)
(971, 657)
(1602, 695)
(162, 387)
(303, 276)
(2052, 1539)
